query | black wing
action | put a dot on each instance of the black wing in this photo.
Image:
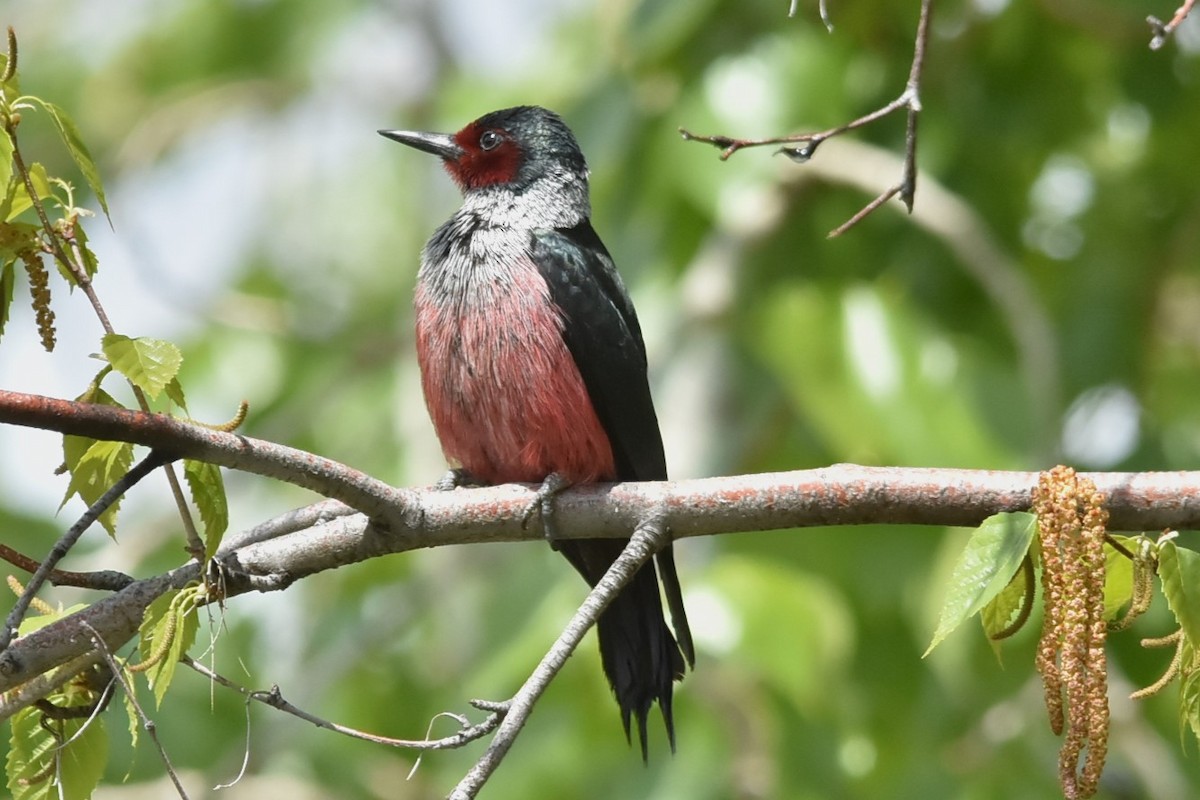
(601, 330)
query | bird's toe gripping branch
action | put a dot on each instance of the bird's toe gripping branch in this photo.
(454, 479)
(543, 504)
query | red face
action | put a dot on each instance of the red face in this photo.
(490, 157)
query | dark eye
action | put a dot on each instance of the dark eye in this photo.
(489, 140)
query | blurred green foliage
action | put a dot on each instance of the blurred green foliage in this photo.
(252, 200)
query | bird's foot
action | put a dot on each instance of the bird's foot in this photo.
(543, 504)
(455, 478)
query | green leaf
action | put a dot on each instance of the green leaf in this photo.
(1189, 694)
(90, 264)
(40, 181)
(32, 750)
(1118, 575)
(37, 621)
(1179, 571)
(135, 722)
(170, 621)
(174, 390)
(17, 202)
(30, 754)
(84, 759)
(6, 159)
(208, 493)
(95, 466)
(8, 279)
(1002, 610)
(14, 190)
(985, 568)
(149, 364)
(79, 152)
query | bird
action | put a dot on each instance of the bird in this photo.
(533, 367)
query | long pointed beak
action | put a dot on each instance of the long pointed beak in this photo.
(439, 144)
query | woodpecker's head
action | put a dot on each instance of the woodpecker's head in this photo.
(512, 149)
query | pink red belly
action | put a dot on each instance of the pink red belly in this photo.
(506, 399)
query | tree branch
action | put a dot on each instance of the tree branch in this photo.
(842, 494)
(185, 440)
(646, 540)
(151, 462)
(804, 145)
(273, 697)
(1160, 31)
(105, 580)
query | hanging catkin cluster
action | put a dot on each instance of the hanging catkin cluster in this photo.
(39, 289)
(1070, 657)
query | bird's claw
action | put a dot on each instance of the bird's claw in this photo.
(543, 504)
(453, 479)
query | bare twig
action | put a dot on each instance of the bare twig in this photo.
(274, 698)
(151, 462)
(105, 580)
(649, 537)
(1161, 31)
(804, 145)
(289, 522)
(131, 695)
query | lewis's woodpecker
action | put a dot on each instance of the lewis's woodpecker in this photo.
(534, 369)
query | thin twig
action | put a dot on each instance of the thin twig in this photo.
(1160, 31)
(804, 145)
(151, 462)
(864, 211)
(78, 271)
(131, 695)
(649, 537)
(274, 698)
(105, 580)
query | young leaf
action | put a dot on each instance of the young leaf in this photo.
(84, 759)
(1118, 576)
(1002, 610)
(90, 264)
(149, 364)
(1179, 571)
(79, 152)
(38, 621)
(40, 181)
(94, 393)
(986, 566)
(8, 278)
(30, 753)
(208, 493)
(1189, 694)
(168, 629)
(174, 392)
(31, 769)
(94, 470)
(135, 722)
(17, 200)
(6, 159)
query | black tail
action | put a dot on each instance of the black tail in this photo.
(641, 658)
